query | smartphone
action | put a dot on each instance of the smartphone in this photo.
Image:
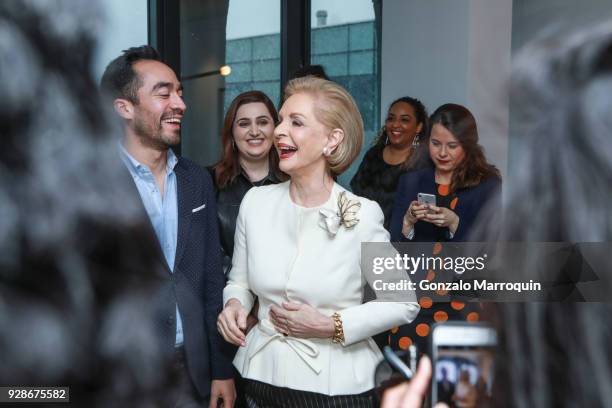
(463, 359)
(424, 198)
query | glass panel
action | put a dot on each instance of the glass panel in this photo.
(126, 26)
(255, 43)
(343, 41)
(202, 42)
(223, 32)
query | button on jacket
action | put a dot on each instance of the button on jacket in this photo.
(282, 253)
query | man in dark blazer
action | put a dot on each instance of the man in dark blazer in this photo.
(179, 199)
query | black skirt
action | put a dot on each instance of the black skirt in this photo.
(262, 395)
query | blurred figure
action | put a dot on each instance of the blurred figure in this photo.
(179, 199)
(297, 249)
(465, 392)
(446, 388)
(394, 152)
(556, 354)
(77, 254)
(248, 160)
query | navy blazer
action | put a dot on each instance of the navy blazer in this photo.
(469, 205)
(197, 282)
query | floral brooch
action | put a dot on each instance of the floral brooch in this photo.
(345, 215)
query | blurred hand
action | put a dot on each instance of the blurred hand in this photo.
(232, 322)
(411, 394)
(223, 390)
(303, 321)
(442, 217)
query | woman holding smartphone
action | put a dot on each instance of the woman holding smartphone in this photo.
(460, 178)
(463, 184)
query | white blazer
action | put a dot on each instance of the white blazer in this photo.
(281, 254)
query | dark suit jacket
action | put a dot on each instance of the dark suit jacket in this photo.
(197, 281)
(469, 205)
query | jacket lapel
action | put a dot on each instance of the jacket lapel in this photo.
(427, 184)
(185, 196)
(147, 221)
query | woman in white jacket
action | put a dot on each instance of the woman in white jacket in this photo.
(298, 249)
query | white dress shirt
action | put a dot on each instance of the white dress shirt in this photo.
(283, 254)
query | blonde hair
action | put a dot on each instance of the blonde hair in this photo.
(336, 109)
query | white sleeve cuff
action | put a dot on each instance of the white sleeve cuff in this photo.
(410, 234)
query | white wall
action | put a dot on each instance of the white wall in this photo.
(126, 26)
(451, 51)
(489, 61)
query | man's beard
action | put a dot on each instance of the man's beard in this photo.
(151, 134)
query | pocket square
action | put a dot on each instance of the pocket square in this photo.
(195, 210)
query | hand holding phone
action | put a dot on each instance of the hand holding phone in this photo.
(462, 356)
(411, 394)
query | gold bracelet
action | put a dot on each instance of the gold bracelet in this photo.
(338, 329)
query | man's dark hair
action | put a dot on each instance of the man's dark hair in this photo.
(120, 80)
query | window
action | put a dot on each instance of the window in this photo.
(252, 48)
(343, 41)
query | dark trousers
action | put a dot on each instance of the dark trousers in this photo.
(187, 396)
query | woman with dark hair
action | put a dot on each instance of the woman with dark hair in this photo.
(248, 160)
(464, 184)
(554, 354)
(461, 179)
(394, 152)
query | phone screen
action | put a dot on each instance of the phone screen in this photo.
(464, 375)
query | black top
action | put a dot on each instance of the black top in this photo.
(377, 180)
(228, 205)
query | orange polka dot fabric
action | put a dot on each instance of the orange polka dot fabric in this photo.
(444, 189)
(457, 305)
(422, 329)
(473, 317)
(440, 316)
(439, 306)
(437, 248)
(419, 331)
(425, 302)
(404, 342)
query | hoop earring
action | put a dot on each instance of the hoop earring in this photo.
(383, 131)
(416, 141)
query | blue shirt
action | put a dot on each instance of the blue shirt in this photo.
(162, 211)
